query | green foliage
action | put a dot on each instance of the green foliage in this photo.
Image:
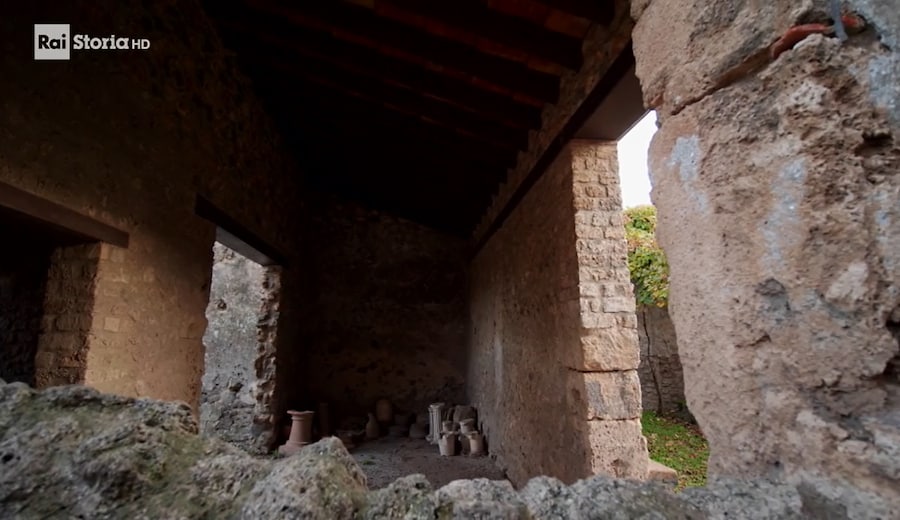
(678, 446)
(646, 260)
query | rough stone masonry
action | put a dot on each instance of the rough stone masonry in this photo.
(779, 210)
(72, 452)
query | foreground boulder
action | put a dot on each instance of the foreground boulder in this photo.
(72, 452)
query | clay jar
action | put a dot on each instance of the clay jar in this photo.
(447, 444)
(467, 426)
(447, 426)
(384, 411)
(476, 443)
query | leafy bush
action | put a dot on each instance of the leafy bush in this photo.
(646, 260)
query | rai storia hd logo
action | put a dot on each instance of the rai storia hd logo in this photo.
(55, 41)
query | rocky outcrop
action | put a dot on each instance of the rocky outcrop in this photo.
(71, 452)
(779, 212)
(662, 380)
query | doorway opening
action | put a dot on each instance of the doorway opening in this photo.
(238, 384)
(47, 282)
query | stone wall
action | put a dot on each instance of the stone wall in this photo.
(386, 311)
(130, 138)
(23, 277)
(234, 403)
(68, 315)
(553, 346)
(779, 211)
(662, 380)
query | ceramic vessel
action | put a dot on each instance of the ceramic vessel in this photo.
(372, 428)
(301, 432)
(447, 444)
(447, 426)
(384, 411)
(476, 443)
(467, 426)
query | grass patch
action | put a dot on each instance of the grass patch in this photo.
(678, 445)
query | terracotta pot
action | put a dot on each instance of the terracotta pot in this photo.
(447, 444)
(301, 432)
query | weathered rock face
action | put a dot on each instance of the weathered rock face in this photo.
(779, 210)
(662, 380)
(72, 452)
(239, 375)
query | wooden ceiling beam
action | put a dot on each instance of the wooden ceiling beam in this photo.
(310, 100)
(403, 154)
(319, 130)
(303, 45)
(355, 23)
(600, 11)
(407, 102)
(474, 17)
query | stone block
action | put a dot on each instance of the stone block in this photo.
(618, 304)
(605, 395)
(661, 472)
(618, 449)
(607, 349)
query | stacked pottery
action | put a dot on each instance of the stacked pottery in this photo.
(447, 444)
(476, 443)
(447, 441)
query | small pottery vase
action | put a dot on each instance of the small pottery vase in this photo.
(447, 444)
(447, 426)
(372, 429)
(384, 411)
(467, 426)
(301, 432)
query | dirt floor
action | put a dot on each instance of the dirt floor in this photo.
(389, 458)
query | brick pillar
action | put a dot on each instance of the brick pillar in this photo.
(603, 381)
(779, 211)
(61, 357)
